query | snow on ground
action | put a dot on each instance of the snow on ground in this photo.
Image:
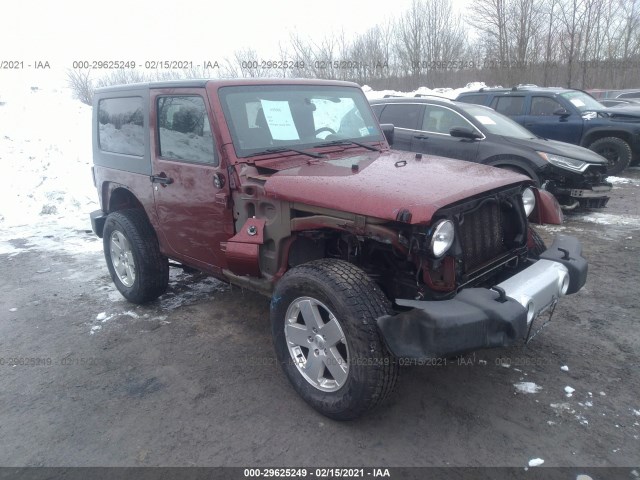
(615, 180)
(629, 221)
(447, 92)
(48, 192)
(527, 387)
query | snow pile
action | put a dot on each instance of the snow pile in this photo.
(45, 138)
(527, 387)
(447, 92)
(615, 180)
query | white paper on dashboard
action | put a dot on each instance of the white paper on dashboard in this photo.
(279, 120)
(485, 120)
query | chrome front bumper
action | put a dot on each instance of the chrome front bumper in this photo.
(481, 318)
(537, 287)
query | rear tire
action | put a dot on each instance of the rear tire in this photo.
(616, 151)
(342, 368)
(138, 269)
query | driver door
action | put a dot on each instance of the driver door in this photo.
(542, 120)
(190, 187)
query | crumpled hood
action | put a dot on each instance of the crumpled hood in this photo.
(382, 184)
(559, 148)
(625, 110)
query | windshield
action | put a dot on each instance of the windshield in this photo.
(262, 117)
(496, 123)
(582, 101)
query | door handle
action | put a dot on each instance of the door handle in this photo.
(421, 137)
(162, 179)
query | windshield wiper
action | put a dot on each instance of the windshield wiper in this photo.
(346, 142)
(284, 149)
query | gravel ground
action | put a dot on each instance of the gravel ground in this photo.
(191, 380)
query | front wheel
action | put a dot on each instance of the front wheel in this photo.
(323, 320)
(521, 171)
(616, 151)
(536, 243)
(138, 269)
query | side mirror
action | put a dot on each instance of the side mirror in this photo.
(561, 112)
(463, 132)
(388, 129)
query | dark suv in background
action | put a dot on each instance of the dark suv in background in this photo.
(571, 116)
(438, 126)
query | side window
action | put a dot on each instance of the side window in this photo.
(509, 106)
(629, 95)
(377, 109)
(543, 106)
(120, 122)
(184, 132)
(477, 99)
(404, 115)
(441, 120)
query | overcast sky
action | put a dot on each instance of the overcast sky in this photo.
(66, 30)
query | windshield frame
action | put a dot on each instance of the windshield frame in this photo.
(234, 98)
(472, 110)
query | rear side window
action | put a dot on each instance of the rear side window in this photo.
(509, 106)
(184, 131)
(477, 99)
(120, 122)
(404, 115)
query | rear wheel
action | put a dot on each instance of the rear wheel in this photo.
(138, 269)
(323, 318)
(616, 151)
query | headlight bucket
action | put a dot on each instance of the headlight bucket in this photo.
(529, 200)
(442, 238)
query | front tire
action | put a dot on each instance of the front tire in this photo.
(537, 245)
(521, 171)
(138, 269)
(616, 151)
(323, 319)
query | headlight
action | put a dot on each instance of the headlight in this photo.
(442, 237)
(529, 201)
(565, 162)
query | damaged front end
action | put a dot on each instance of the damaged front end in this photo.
(488, 288)
(576, 183)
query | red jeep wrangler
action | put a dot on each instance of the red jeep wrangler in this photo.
(289, 188)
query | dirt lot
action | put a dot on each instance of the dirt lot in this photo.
(191, 379)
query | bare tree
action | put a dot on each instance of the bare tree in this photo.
(122, 77)
(81, 84)
(410, 41)
(490, 17)
(246, 63)
(630, 39)
(444, 38)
